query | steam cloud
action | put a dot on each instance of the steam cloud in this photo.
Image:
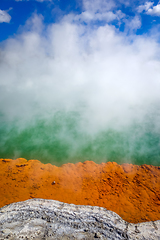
(71, 92)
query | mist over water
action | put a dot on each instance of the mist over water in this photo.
(70, 93)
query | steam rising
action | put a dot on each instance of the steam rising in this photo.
(71, 92)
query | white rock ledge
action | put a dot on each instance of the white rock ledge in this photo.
(49, 219)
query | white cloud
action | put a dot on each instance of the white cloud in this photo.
(4, 16)
(154, 11)
(97, 10)
(149, 9)
(73, 65)
(145, 7)
(98, 5)
(132, 24)
(105, 16)
(100, 10)
(106, 11)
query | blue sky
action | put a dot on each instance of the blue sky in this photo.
(132, 16)
(15, 13)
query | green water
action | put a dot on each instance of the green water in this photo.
(61, 139)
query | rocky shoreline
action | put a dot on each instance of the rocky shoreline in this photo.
(48, 219)
(132, 191)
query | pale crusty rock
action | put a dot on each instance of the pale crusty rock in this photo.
(49, 219)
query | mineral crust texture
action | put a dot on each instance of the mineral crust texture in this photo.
(49, 219)
(132, 191)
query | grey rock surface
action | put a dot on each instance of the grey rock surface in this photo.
(49, 219)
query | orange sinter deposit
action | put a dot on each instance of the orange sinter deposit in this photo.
(131, 191)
